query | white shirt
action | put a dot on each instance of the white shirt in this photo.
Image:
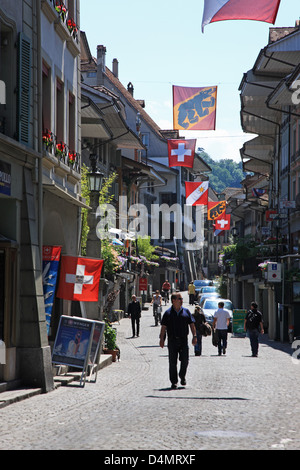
(221, 315)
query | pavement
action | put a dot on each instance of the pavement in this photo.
(230, 402)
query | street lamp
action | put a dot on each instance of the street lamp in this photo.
(95, 177)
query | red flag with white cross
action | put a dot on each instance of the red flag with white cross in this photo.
(79, 278)
(181, 152)
(222, 222)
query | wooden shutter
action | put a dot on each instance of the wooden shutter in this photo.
(23, 88)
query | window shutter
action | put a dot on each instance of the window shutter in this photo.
(23, 89)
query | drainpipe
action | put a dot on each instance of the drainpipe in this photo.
(39, 137)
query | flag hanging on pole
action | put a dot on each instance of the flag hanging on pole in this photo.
(196, 193)
(79, 278)
(258, 10)
(181, 152)
(223, 222)
(215, 209)
(194, 108)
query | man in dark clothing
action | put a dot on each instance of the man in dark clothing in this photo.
(254, 325)
(134, 311)
(176, 322)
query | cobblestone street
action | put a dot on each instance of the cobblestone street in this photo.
(230, 402)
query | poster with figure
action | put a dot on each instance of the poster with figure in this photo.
(73, 341)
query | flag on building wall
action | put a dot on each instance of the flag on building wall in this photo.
(258, 10)
(258, 192)
(79, 278)
(181, 152)
(194, 108)
(223, 222)
(51, 258)
(215, 209)
(196, 193)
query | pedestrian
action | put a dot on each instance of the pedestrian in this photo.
(254, 326)
(166, 287)
(156, 302)
(175, 323)
(199, 322)
(134, 311)
(220, 323)
(191, 292)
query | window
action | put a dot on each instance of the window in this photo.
(46, 98)
(72, 123)
(8, 81)
(59, 131)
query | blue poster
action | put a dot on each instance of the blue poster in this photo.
(51, 257)
(73, 341)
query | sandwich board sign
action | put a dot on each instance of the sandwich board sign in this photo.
(77, 343)
(238, 320)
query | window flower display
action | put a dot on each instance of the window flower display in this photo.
(48, 139)
(62, 10)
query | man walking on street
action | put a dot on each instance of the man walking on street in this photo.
(254, 325)
(134, 311)
(221, 322)
(176, 322)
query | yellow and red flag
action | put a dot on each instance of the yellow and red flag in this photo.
(215, 209)
(194, 108)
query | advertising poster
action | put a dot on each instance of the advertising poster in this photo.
(51, 257)
(73, 341)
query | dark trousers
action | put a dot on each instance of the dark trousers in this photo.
(222, 340)
(253, 336)
(192, 299)
(178, 349)
(135, 322)
(198, 346)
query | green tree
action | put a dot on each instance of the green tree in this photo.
(146, 249)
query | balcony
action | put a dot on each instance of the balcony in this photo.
(61, 169)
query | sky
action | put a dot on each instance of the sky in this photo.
(160, 43)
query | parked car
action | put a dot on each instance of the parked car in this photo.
(210, 305)
(207, 295)
(201, 283)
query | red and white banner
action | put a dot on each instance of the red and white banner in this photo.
(257, 10)
(79, 278)
(181, 152)
(196, 193)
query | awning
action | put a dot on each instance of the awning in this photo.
(141, 171)
(92, 122)
(256, 117)
(111, 113)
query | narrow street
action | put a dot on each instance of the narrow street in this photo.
(232, 402)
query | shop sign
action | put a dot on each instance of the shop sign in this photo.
(5, 178)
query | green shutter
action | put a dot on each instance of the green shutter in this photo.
(23, 89)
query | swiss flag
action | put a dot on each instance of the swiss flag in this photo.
(222, 222)
(181, 152)
(79, 278)
(196, 193)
